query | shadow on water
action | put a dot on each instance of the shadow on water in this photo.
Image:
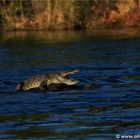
(108, 58)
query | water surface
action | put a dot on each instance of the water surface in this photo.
(110, 59)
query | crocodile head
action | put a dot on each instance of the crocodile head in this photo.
(62, 78)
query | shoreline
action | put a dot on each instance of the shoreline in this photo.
(72, 35)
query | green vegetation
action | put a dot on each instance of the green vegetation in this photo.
(68, 14)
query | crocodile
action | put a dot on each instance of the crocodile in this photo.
(55, 81)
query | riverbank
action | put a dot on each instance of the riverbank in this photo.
(69, 15)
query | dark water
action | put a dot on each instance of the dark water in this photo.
(111, 59)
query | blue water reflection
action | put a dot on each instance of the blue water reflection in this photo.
(110, 61)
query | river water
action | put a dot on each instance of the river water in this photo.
(110, 59)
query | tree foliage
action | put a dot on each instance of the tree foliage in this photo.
(68, 14)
